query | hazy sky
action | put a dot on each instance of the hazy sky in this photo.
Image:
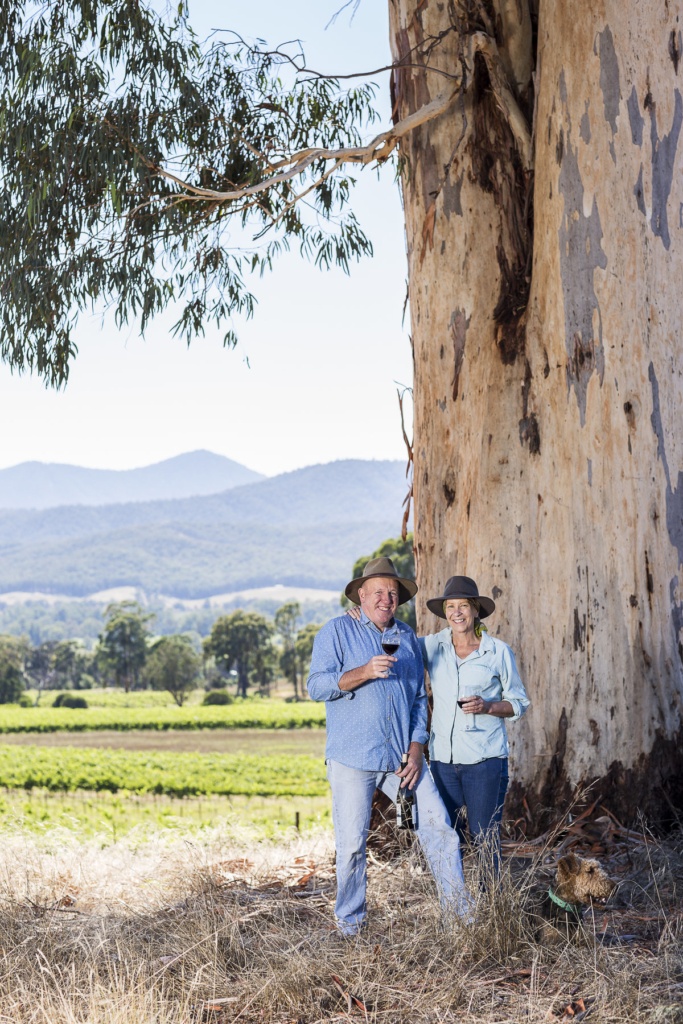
(323, 350)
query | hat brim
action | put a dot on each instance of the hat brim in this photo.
(435, 604)
(407, 589)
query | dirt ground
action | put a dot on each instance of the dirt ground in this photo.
(201, 741)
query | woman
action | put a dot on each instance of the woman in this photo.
(476, 686)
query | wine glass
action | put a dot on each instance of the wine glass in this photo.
(391, 641)
(465, 692)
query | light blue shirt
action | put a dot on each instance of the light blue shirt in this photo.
(372, 726)
(493, 672)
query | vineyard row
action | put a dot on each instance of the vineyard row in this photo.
(68, 769)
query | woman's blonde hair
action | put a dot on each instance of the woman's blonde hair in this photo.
(479, 626)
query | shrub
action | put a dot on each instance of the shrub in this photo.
(218, 697)
(68, 700)
(11, 671)
(25, 701)
(173, 665)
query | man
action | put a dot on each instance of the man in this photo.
(376, 708)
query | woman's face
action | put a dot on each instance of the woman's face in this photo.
(460, 615)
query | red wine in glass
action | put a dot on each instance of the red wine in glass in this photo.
(390, 640)
(470, 722)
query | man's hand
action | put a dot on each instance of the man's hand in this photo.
(378, 667)
(410, 775)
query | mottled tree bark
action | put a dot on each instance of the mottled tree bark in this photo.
(545, 278)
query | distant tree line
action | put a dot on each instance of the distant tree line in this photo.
(41, 620)
(244, 649)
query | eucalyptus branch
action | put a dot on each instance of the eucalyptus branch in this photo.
(379, 150)
(381, 147)
(425, 47)
(398, 65)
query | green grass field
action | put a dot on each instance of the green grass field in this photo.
(246, 714)
(110, 816)
(132, 761)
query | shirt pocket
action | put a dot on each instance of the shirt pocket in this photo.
(486, 680)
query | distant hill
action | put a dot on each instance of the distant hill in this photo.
(304, 528)
(41, 485)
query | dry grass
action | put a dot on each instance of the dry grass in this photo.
(231, 929)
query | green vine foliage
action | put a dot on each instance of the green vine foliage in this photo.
(99, 96)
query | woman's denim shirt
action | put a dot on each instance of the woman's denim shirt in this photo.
(493, 671)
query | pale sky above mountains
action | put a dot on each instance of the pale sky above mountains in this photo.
(314, 376)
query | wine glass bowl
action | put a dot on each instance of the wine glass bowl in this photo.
(465, 693)
(391, 641)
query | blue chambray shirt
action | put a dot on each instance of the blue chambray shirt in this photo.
(372, 726)
(492, 669)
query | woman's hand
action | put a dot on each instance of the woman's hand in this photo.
(354, 612)
(478, 706)
(475, 705)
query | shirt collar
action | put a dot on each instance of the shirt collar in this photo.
(445, 636)
(485, 643)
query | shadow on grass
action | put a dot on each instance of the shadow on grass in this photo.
(228, 929)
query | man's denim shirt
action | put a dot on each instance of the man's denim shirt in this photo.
(372, 726)
(493, 671)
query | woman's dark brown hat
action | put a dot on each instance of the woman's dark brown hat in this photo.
(381, 567)
(461, 586)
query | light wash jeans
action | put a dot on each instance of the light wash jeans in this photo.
(352, 792)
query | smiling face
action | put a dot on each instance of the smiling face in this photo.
(379, 600)
(460, 615)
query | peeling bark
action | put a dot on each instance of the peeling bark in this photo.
(458, 328)
(514, 36)
(544, 284)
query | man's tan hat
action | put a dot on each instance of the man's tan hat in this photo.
(381, 567)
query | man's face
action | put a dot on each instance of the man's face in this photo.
(379, 600)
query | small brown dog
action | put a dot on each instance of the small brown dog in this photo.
(578, 883)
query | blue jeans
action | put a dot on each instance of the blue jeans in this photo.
(352, 792)
(480, 790)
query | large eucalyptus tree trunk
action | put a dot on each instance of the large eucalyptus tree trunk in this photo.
(544, 220)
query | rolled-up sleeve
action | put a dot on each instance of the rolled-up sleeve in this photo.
(326, 666)
(513, 687)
